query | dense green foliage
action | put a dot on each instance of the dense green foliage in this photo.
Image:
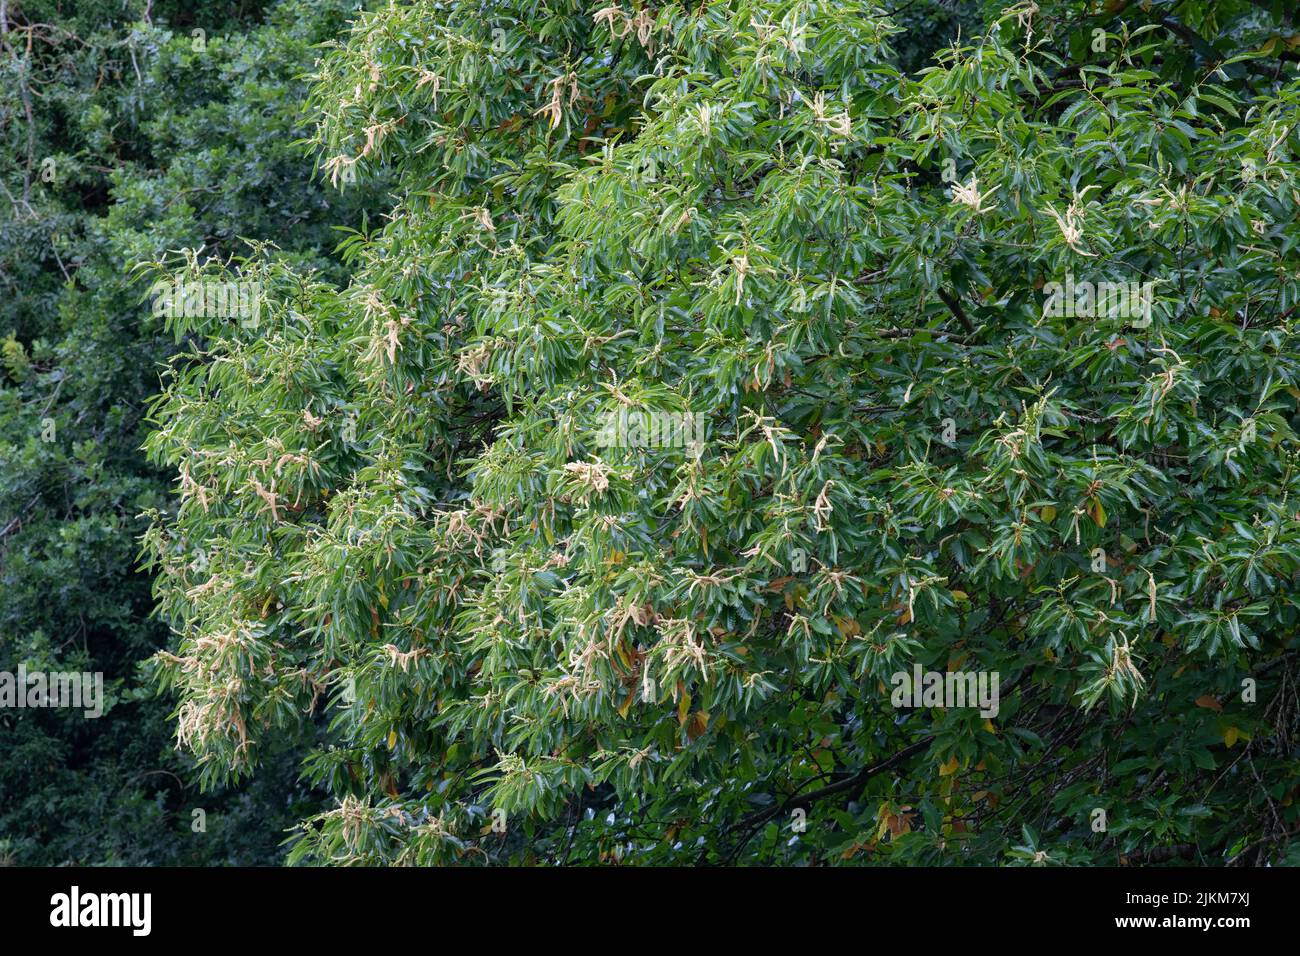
(740, 210)
(421, 521)
(121, 139)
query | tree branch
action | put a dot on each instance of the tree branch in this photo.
(956, 309)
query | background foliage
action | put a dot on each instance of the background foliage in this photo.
(155, 145)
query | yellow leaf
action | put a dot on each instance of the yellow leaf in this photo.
(900, 822)
(883, 815)
(1231, 735)
(627, 702)
(392, 739)
(683, 708)
(949, 768)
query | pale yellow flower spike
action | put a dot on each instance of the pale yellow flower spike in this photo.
(969, 195)
(1070, 229)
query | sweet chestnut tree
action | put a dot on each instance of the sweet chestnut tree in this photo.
(443, 510)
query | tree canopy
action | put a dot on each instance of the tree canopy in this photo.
(712, 364)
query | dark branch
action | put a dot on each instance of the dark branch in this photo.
(956, 309)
